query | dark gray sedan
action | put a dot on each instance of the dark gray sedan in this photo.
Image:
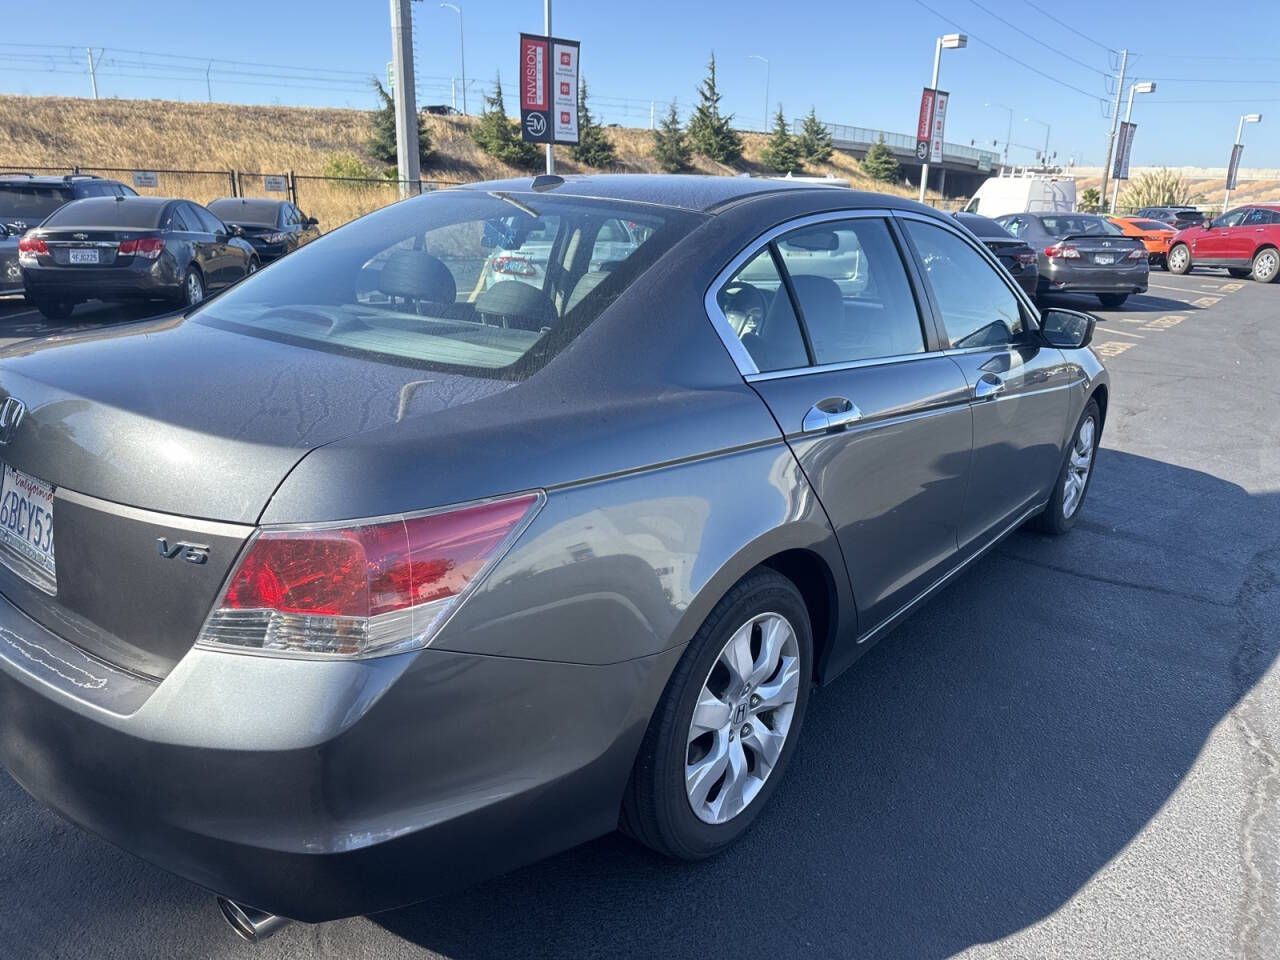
(272, 227)
(1082, 253)
(370, 580)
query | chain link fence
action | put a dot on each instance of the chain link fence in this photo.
(331, 200)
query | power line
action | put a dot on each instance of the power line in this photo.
(1009, 56)
(1067, 26)
(1035, 39)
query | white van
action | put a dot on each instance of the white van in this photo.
(1035, 193)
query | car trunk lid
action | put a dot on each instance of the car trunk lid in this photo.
(1101, 250)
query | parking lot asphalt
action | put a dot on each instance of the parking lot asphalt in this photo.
(1072, 751)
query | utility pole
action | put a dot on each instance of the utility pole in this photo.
(551, 149)
(406, 108)
(93, 73)
(650, 114)
(1115, 120)
(208, 87)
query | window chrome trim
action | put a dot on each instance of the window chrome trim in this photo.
(844, 365)
(1019, 294)
(741, 358)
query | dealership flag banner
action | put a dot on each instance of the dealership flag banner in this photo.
(940, 98)
(1120, 169)
(924, 125)
(1233, 169)
(548, 89)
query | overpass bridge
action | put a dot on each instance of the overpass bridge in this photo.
(962, 169)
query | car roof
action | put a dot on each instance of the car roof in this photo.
(49, 180)
(695, 192)
(249, 204)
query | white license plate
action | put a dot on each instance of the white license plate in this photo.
(26, 519)
(83, 256)
(1104, 258)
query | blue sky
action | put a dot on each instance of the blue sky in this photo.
(856, 62)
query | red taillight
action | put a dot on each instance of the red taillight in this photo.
(364, 588)
(34, 246)
(1062, 251)
(146, 247)
(514, 266)
(1139, 254)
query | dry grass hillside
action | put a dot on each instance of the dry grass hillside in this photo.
(1205, 193)
(161, 134)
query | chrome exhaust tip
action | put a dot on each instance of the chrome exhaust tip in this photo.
(250, 924)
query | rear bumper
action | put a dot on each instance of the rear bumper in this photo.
(153, 279)
(317, 790)
(1058, 278)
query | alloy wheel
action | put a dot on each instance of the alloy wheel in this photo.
(195, 289)
(1265, 265)
(1178, 259)
(742, 718)
(1079, 463)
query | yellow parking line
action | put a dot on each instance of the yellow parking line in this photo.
(1113, 348)
(1165, 322)
(1231, 287)
(1205, 301)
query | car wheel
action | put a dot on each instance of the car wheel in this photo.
(1064, 506)
(727, 724)
(1240, 273)
(1180, 259)
(1266, 264)
(1112, 299)
(253, 266)
(55, 309)
(192, 287)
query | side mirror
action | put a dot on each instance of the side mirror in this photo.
(236, 230)
(311, 222)
(1068, 329)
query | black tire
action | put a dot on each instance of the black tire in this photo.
(55, 309)
(656, 808)
(192, 281)
(1240, 273)
(1179, 259)
(1159, 260)
(1112, 299)
(1053, 521)
(254, 266)
(1266, 265)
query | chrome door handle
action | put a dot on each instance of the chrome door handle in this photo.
(830, 414)
(988, 387)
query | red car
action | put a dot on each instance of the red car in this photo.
(1246, 241)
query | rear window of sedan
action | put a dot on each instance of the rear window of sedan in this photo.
(108, 212)
(485, 284)
(1150, 225)
(1076, 226)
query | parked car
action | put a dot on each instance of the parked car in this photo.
(522, 248)
(25, 201)
(272, 227)
(1245, 240)
(130, 248)
(1083, 253)
(1014, 254)
(611, 539)
(1175, 216)
(1154, 234)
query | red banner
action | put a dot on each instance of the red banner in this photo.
(533, 73)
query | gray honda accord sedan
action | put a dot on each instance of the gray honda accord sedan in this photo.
(398, 565)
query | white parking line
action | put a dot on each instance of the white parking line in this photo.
(1126, 333)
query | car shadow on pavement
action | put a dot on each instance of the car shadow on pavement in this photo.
(971, 773)
(1137, 303)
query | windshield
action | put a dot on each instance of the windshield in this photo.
(1078, 226)
(30, 202)
(490, 285)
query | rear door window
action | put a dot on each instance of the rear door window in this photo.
(852, 290)
(978, 308)
(756, 304)
(1260, 218)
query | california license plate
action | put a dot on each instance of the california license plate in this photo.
(1104, 258)
(84, 256)
(26, 521)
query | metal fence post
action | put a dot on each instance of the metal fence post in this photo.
(232, 175)
(293, 187)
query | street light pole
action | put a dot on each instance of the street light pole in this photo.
(1008, 133)
(952, 41)
(1245, 118)
(462, 53)
(1128, 114)
(1044, 157)
(764, 60)
(551, 149)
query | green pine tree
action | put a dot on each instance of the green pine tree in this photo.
(781, 154)
(497, 135)
(593, 147)
(814, 139)
(880, 163)
(711, 132)
(670, 145)
(382, 140)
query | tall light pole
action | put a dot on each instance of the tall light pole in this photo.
(551, 148)
(1245, 118)
(1008, 133)
(407, 160)
(951, 41)
(1115, 119)
(462, 53)
(756, 56)
(1147, 87)
(1044, 157)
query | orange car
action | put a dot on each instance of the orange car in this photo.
(1155, 236)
